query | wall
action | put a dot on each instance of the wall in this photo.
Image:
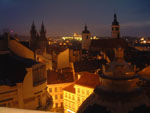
(20, 50)
(63, 59)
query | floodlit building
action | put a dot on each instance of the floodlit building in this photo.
(56, 81)
(76, 93)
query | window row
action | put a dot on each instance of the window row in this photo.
(83, 91)
(57, 105)
(69, 105)
(56, 97)
(69, 96)
(55, 89)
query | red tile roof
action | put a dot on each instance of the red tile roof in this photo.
(54, 77)
(88, 79)
(70, 88)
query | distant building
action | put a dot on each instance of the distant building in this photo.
(56, 81)
(38, 41)
(75, 94)
(115, 28)
(23, 81)
(60, 58)
(86, 38)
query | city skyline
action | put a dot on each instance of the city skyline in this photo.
(63, 18)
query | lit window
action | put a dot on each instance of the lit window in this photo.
(69, 96)
(61, 104)
(78, 90)
(65, 94)
(61, 96)
(87, 92)
(82, 91)
(55, 97)
(72, 97)
(55, 89)
(60, 89)
(50, 89)
(56, 105)
(78, 98)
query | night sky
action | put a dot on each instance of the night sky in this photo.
(64, 17)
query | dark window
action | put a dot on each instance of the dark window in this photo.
(87, 37)
(117, 28)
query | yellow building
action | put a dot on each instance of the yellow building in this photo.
(56, 81)
(75, 94)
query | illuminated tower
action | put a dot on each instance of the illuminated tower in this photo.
(115, 28)
(86, 41)
(33, 34)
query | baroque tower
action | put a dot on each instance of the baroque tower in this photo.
(86, 41)
(115, 28)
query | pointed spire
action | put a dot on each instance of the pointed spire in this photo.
(42, 31)
(115, 22)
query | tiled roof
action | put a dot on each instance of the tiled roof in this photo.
(70, 88)
(109, 43)
(88, 79)
(54, 77)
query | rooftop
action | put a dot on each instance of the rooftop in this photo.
(88, 80)
(54, 77)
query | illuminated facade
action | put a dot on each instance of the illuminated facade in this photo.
(75, 94)
(56, 82)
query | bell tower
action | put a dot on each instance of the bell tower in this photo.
(86, 41)
(115, 28)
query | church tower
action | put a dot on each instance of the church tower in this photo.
(33, 34)
(86, 41)
(115, 28)
(43, 32)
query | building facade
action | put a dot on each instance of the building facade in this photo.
(75, 94)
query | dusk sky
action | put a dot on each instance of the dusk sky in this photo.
(64, 17)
